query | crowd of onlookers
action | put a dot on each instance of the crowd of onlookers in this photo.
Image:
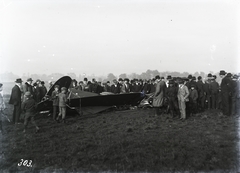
(184, 96)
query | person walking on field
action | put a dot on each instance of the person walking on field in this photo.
(15, 99)
(182, 95)
(158, 98)
(29, 109)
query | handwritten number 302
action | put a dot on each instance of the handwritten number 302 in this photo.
(25, 163)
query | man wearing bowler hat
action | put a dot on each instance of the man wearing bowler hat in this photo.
(15, 99)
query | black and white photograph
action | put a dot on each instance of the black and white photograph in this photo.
(134, 86)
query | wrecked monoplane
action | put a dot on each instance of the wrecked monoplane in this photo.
(88, 103)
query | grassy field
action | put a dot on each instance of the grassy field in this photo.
(122, 141)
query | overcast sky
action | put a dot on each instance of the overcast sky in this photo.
(99, 37)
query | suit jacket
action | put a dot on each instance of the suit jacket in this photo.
(226, 85)
(125, 88)
(214, 87)
(183, 93)
(15, 97)
(115, 89)
(28, 87)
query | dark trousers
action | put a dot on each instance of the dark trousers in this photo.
(208, 99)
(1, 120)
(225, 103)
(173, 106)
(16, 113)
(233, 105)
(193, 107)
(201, 102)
(214, 100)
(29, 116)
(219, 101)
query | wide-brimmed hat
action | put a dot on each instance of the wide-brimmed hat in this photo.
(29, 79)
(222, 72)
(19, 80)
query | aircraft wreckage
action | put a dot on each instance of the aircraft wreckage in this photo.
(89, 103)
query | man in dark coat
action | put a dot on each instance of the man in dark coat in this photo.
(214, 89)
(238, 95)
(43, 90)
(15, 99)
(207, 92)
(94, 87)
(225, 91)
(146, 87)
(171, 94)
(201, 96)
(28, 86)
(115, 87)
(234, 95)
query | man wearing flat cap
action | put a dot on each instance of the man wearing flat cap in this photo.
(15, 100)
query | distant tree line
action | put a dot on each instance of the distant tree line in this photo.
(149, 74)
